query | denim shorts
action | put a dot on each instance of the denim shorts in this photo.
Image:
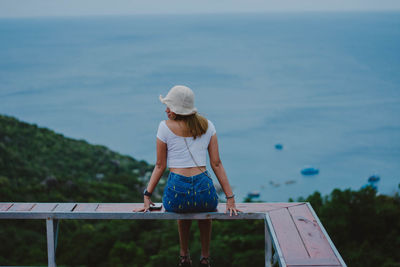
(189, 194)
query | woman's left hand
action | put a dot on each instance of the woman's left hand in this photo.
(231, 207)
(146, 207)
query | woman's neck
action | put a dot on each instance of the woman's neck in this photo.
(178, 127)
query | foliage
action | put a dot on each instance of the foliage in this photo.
(38, 165)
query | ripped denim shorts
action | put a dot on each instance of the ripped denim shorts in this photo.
(189, 194)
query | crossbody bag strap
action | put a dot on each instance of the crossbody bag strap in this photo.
(191, 155)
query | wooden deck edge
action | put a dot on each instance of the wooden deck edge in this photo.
(129, 215)
(337, 254)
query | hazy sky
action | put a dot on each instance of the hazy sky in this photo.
(29, 8)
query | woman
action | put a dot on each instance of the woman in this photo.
(183, 141)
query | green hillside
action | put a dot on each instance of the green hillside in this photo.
(39, 165)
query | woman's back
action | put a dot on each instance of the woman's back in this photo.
(184, 151)
(179, 128)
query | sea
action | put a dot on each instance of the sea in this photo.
(324, 86)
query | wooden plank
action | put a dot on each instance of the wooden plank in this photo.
(125, 207)
(258, 207)
(313, 238)
(5, 206)
(44, 207)
(326, 235)
(288, 237)
(118, 207)
(21, 207)
(313, 262)
(86, 207)
(282, 204)
(129, 207)
(64, 207)
(244, 207)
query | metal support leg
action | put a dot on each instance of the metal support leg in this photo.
(56, 224)
(51, 252)
(268, 245)
(278, 253)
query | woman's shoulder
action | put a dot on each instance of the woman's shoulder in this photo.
(211, 127)
(164, 133)
(162, 129)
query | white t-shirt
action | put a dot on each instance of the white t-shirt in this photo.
(178, 155)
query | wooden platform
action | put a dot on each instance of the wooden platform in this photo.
(293, 229)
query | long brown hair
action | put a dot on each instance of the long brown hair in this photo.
(196, 124)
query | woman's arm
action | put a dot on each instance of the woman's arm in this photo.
(219, 171)
(158, 171)
(160, 166)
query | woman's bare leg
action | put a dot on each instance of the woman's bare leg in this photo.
(184, 232)
(205, 237)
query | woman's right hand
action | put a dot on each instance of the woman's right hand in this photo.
(146, 207)
(231, 207)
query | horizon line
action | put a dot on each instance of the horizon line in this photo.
(364, 11)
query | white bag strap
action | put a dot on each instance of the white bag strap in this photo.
(191, 155)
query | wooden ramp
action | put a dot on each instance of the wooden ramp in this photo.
(292, 229)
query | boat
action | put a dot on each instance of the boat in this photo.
(253, 194)
(274, 184)
(279, 146)
(309, 171)
(374, 178)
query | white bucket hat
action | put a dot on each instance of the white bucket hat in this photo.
(180, 99)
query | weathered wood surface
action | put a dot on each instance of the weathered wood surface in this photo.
(245, 207)
(314, 240)
(21, 207)
(311, 262)
(5, 206)
(44, 207)
(301, 239)
(296, 231)
(288, 236)
(126, 211)
(85, 207)
(122, 207)
(64, 207)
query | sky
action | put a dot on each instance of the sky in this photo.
(38, 8)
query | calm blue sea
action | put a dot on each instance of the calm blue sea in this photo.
(325, 85)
